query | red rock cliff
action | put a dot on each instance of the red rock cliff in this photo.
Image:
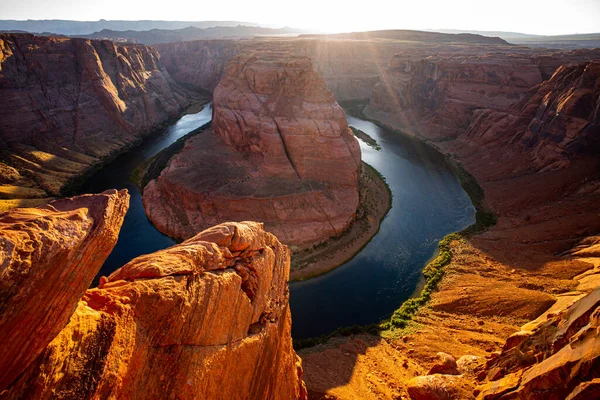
(556, 122)
(205, 319)
(278, 111)
(350, 68)
(65, 104)
(280, 152)
(49, 257)
(435, 96)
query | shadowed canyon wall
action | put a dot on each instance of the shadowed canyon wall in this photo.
(68, 104)
(208, 318)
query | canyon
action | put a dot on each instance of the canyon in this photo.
(68, 105)
(515, 315)
(350, 68)
(528, 135)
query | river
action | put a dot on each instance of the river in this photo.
(428, 203)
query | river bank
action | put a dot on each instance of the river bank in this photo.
(496, 280)
(375, 200)
(69, 184)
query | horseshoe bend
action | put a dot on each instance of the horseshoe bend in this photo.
(244, 212)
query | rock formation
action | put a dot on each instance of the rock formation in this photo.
(350, 66)
(555, 122)
(208, 318)
(49, 257)
(554, 357)
(342, 64)
(280, 151)
(67, 104)
(439, 97)
(434, 96)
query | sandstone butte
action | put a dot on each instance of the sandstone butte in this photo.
(279, 151)
(530, 135)
(206, 319)
(66, 105)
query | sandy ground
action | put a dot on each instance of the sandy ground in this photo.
(480, 303)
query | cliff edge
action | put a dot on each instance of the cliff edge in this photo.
(208, 318)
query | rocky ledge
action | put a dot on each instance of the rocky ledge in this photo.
(279, 151)
(208, 318)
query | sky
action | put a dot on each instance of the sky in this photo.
(544, 17)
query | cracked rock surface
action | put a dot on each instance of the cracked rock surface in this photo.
(206, 319)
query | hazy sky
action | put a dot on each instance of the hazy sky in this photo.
(527, 16)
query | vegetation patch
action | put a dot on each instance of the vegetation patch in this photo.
(433, 272)
(366, 138)
(484, 218)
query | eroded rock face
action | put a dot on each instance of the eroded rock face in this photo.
(350, 68)
(48, 258)
(434, 96)
(279, 151)
(555, 357)
(557, 121)
(65, 104)
(278, 111)
(208, 318)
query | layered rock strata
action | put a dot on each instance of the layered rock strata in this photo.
(208, 318)
(350, 66)
(556, 356)
(68, 104)
(279, 151)
(49, 257)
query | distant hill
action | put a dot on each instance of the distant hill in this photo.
(155, 36)
(416, 36)
(587, 40)
(501, 34)
(575, 41)
(66, 27)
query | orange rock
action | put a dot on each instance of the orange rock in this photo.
(438, 387)
(49, 257)
(444, 364)
(280, 152)
(208, 318)
(555, 359)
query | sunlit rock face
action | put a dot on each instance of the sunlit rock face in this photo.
(206, 319)
(48, 258)
(279, 151)
(553, 357)
(67, 104)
